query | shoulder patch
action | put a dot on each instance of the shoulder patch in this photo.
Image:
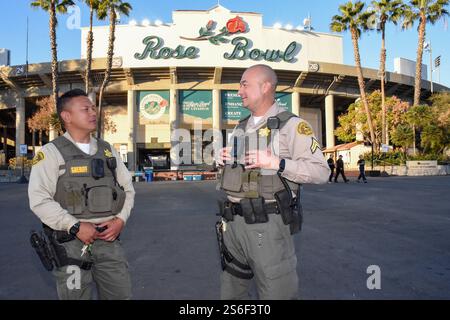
(108, 153)
(314, 145)
(38, 158)
(304, 128)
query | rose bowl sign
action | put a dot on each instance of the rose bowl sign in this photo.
(242, 46)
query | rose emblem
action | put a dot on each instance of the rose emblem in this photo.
(236, 24)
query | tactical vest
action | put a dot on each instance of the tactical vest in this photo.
(239, 182)
(88, 188)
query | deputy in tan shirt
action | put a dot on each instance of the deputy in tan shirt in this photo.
(84, 203)
(255, 228)
(42, 188)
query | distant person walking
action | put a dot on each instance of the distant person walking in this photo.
(340, 170)
(330, 162)
(362, 163)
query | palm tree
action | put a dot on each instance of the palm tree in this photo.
(387, 11)
(424, 11)
(111, 8)
(52, 7)
(353, 18)
(93, 7)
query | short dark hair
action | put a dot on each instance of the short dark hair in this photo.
(66, 97)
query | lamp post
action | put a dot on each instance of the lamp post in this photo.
(437, 67)
(427, 47)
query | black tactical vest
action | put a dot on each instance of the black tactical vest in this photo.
(88, 188)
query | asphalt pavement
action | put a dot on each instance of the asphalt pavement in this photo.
(399, 225)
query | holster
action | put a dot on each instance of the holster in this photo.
(253, 210)
(290, 209)
(226, 210)
(297, 216)
(285, 206)
(56, 239)
(43, 249)
(243, 270)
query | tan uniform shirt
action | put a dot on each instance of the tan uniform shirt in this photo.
(42, 188)
(299, 147)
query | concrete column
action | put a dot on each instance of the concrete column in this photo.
(329, 120)
(173, 109)
(174, 123)
(20, 124)
(217, 109)
(296, 103)
(132, 115)
(5, 139)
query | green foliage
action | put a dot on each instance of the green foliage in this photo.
(388, 158)
(432, 9)
(356, 117)
(119, 6)
(60, 5)
(402, 135)
(398, 157)
(430, 122)
(353, 17)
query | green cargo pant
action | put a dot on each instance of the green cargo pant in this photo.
(268, 248)
(109, 272)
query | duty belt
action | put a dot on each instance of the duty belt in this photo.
(271, 208)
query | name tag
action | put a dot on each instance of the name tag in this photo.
(79, 170)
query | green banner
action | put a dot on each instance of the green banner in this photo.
(284, 99)
(195, 105)
(232, 108)
(153, 107)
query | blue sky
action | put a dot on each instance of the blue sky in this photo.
(399, 43)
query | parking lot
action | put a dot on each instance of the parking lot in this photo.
(400, 224)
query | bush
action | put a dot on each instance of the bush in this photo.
(442, 159)
(388, 158)
(398, 158)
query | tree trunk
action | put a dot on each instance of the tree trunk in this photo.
(384, 131)
(90, 41)
(362, 88)
(40, 138)
(417, 87)
(112, 26)
(52, 133)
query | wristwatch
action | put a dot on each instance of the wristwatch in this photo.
(74, 229)
(282, 165)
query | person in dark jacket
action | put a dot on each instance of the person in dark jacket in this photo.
(330, 162)
(340, 169)
(361, 164)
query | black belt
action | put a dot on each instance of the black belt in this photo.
(271, 208)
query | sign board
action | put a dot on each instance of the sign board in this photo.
(385, 148)
(284, 99)
(123, 149)
(425, 164)
(196, 105)
(23, 149)
(232, 108)
(153, 107)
